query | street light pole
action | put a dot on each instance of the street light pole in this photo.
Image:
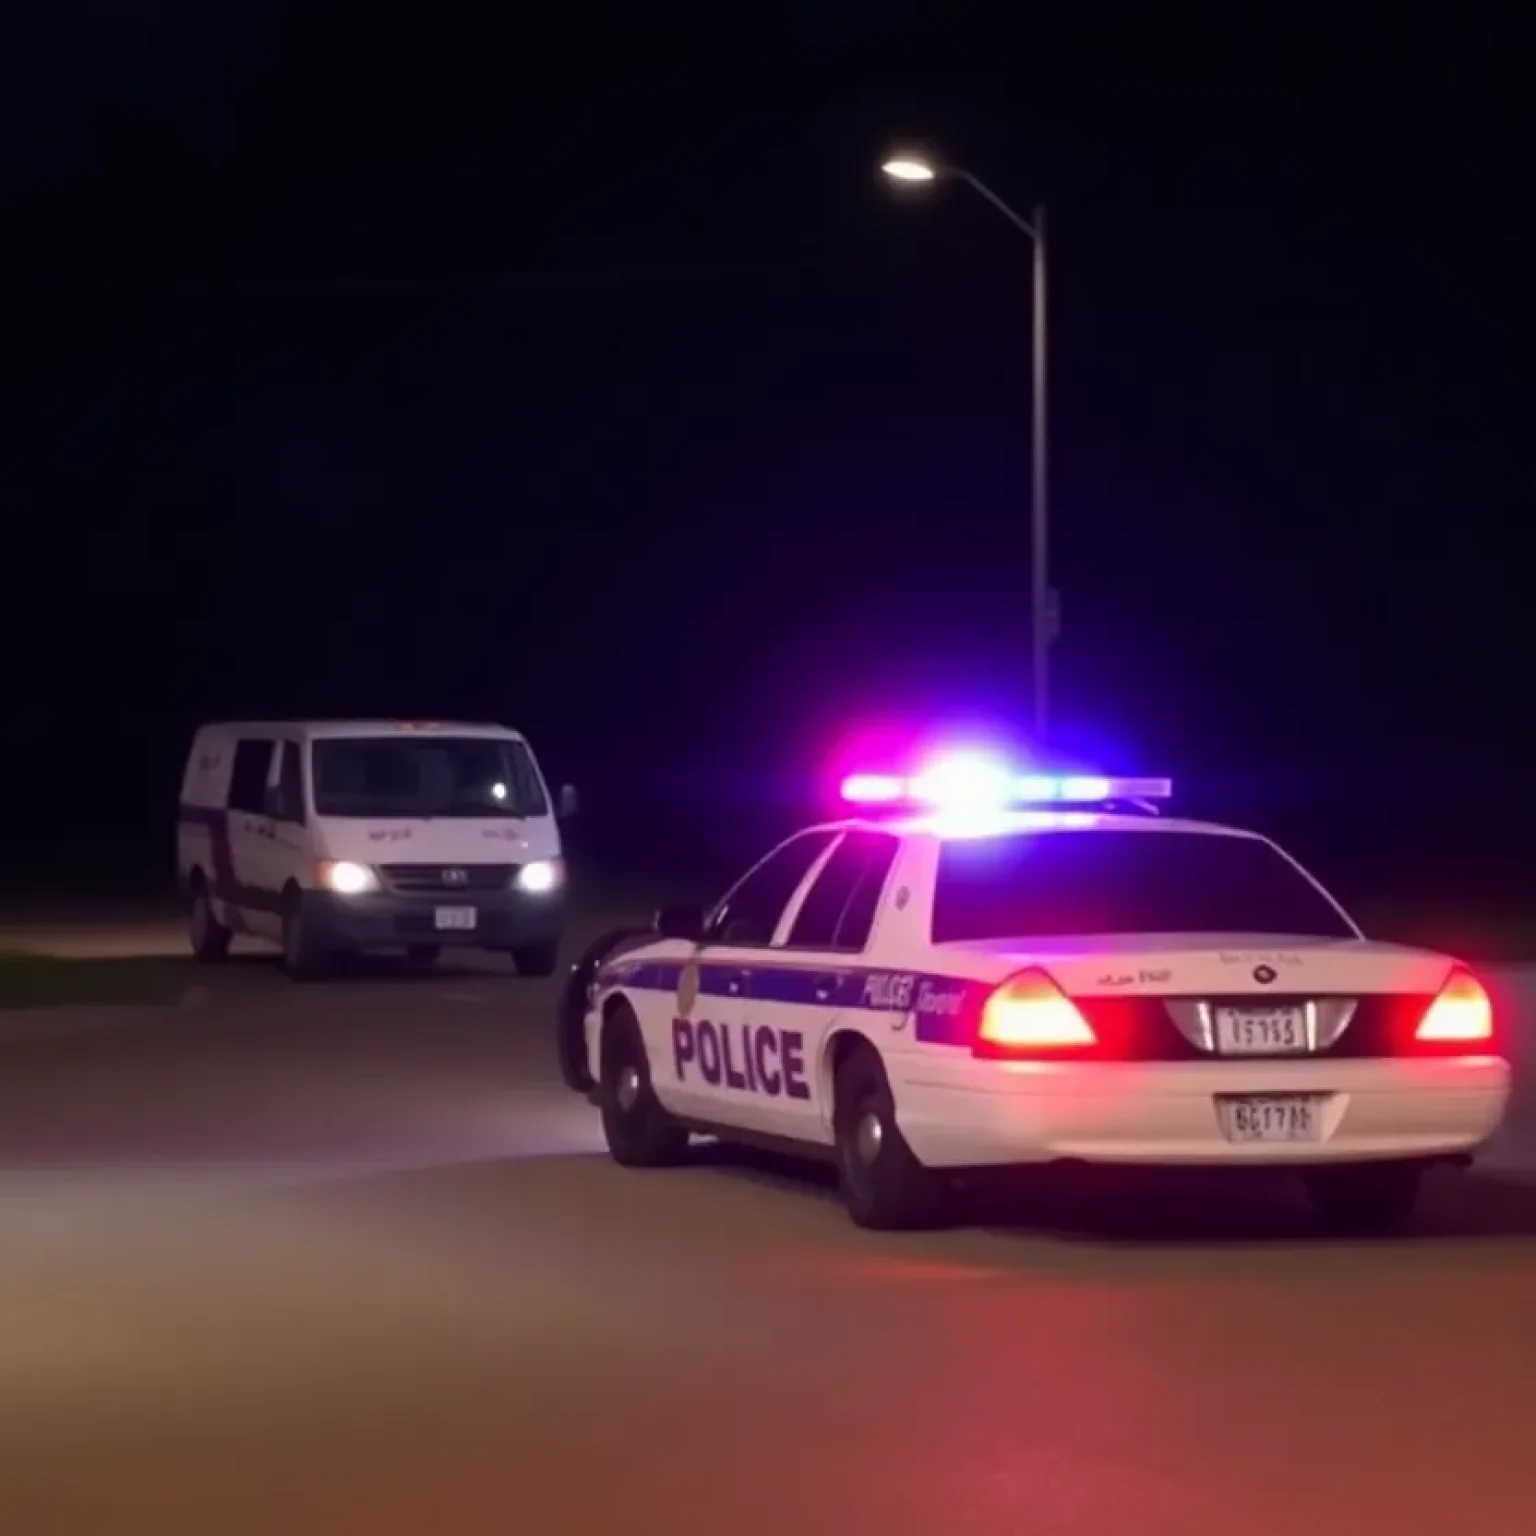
(1039, 496)
(1042, 617)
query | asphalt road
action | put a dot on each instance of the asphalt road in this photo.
(346, 1259)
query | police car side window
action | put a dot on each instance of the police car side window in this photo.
(839, 909)
(248, 776)
(751, 911)
(858, 920)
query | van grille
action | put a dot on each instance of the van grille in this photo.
(448, 879)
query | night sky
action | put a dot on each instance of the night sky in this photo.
(588, 376)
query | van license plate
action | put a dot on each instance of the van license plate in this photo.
(456, 919)
(1276, 1117)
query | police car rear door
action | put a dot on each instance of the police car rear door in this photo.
(705, 1065)
(823, 976)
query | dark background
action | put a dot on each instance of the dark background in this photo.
(586, 375)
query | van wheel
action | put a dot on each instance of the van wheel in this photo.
(882, 1184)
(536, 959)
(209, 937)
(639, 1132)
(1365, 1198)
(303, 959)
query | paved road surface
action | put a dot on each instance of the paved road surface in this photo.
(346, 1260)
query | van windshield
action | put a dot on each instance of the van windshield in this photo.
(422, 776)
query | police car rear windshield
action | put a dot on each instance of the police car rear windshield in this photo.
(425, 776)
(1053, 884)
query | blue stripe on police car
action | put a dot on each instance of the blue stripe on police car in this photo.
(942, 1008)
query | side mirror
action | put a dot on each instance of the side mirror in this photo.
(684, 920)
(566, 801)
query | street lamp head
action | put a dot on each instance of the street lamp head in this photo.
(909, 168)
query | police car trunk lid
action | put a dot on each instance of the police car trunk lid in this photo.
(1168, 997)
(1221, 965)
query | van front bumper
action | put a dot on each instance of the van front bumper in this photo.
(391, 920)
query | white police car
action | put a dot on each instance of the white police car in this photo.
(951, 983)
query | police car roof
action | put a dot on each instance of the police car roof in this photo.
(948, 825)
(342, 729)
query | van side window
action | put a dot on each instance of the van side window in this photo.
(248, 776)
(290, 785)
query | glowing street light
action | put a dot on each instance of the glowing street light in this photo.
(908, 168)
(916, 168)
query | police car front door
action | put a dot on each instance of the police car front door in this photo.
(726, 1066)
(819, 979)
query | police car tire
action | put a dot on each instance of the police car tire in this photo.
(640, 1134)
(571, 1016)
(208, 936)
(893, 1192)
(1365, 1197)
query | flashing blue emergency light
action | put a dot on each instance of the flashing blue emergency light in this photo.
(969, 782)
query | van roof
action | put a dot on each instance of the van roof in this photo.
(321, 729)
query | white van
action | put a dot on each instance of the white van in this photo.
(333, 837)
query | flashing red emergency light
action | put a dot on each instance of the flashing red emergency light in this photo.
(972, 782)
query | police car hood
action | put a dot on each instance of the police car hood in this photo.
(1217, 964)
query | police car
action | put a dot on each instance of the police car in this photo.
(981, 969)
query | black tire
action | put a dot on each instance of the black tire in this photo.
(639, 1132)
(303, 957)
(423, 954)
(571, 1013)
(208, 937)
(536, 959)
(882, 1184)
(1365, 1198)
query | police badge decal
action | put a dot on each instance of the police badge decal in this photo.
(687, 989)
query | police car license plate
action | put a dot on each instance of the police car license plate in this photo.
(1271, 1117)
(1260, 1031)
(456, 919)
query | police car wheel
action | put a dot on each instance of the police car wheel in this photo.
(209, 937)
(1365, 1197)
(883, 1186)
(639, 1132)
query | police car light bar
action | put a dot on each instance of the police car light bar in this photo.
(968, 783)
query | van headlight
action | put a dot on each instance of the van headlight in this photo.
(346, 878)
(541, 877)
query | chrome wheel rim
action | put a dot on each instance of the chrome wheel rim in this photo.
(627, 1088)
(868, 1138)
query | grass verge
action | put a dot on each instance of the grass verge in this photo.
(42, 981)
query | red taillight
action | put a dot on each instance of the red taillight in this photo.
(1460, 1015)
(1030, 1015)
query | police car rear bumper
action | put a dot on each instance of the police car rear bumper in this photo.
(987, 1114)
(388, 920)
